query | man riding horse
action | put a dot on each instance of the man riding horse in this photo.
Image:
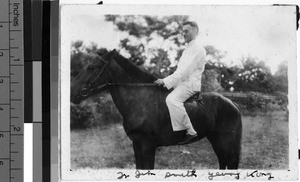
(145, 107)
(186, 81)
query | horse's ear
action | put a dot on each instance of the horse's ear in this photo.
(114, 52)
(102, 52)
(111, 53)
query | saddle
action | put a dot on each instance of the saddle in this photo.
(196, 97)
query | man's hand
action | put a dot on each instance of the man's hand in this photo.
(159, 82)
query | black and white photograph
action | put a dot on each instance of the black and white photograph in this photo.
(178, 92)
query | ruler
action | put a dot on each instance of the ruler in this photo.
(11, 91)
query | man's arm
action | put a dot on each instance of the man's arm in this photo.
(188, 68)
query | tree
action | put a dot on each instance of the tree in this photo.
(214, 54)
(281, 77)
(254, 76)
(153, 41)
(156, 44)
(82, 55)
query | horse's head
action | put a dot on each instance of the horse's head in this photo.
(91, 79)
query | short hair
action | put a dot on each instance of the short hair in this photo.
(192, 24)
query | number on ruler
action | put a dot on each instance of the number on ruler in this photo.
(17, 128)
(1, 109)
(1, 80)
(1, 53)
(1, 25)
(1, 163)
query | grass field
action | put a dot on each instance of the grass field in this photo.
(264, 146)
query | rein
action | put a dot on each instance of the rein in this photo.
(133, 84)
(124, 84)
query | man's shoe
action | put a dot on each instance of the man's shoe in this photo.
(188, 139)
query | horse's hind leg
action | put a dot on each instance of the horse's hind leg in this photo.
(219, 149)
(227, 149)
(236, 149)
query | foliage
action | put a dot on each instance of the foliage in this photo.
(251, 102)
(82, 56)
(153, 41)
(257, 101)
(80, 117)
(254, 76)
(98, 110)
(281, 78)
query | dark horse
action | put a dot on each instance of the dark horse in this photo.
(146, 118)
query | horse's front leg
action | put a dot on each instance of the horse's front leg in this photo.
(137, 147)
(148, 154)
(144, 152)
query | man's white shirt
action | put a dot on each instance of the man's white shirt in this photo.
(189, 69)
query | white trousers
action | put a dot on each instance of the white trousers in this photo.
(179, 117)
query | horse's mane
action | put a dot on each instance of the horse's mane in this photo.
(132, 69)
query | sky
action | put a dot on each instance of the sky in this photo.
(265, 32)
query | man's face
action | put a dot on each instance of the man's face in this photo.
(189, 33)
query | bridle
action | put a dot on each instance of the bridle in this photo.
(89, 88)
